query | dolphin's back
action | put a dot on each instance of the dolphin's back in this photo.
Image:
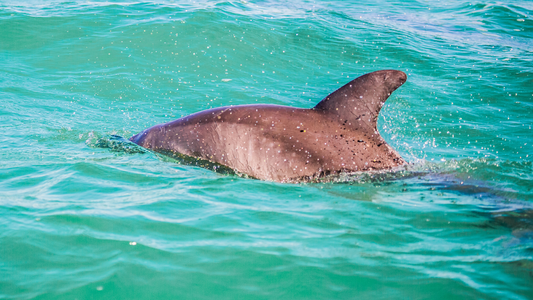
(283, 143)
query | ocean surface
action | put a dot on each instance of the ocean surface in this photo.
(86, 215)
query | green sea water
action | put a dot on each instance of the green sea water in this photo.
(84, 215)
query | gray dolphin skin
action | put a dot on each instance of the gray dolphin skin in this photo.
(288, 144)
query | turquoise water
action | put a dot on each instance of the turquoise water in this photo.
(86, 216)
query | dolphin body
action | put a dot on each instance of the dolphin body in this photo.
(288, 144)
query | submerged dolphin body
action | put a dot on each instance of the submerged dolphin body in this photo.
(288, 144)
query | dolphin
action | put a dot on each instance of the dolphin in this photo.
(288, 144)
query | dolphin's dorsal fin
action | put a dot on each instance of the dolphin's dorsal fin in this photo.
(362, 98)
